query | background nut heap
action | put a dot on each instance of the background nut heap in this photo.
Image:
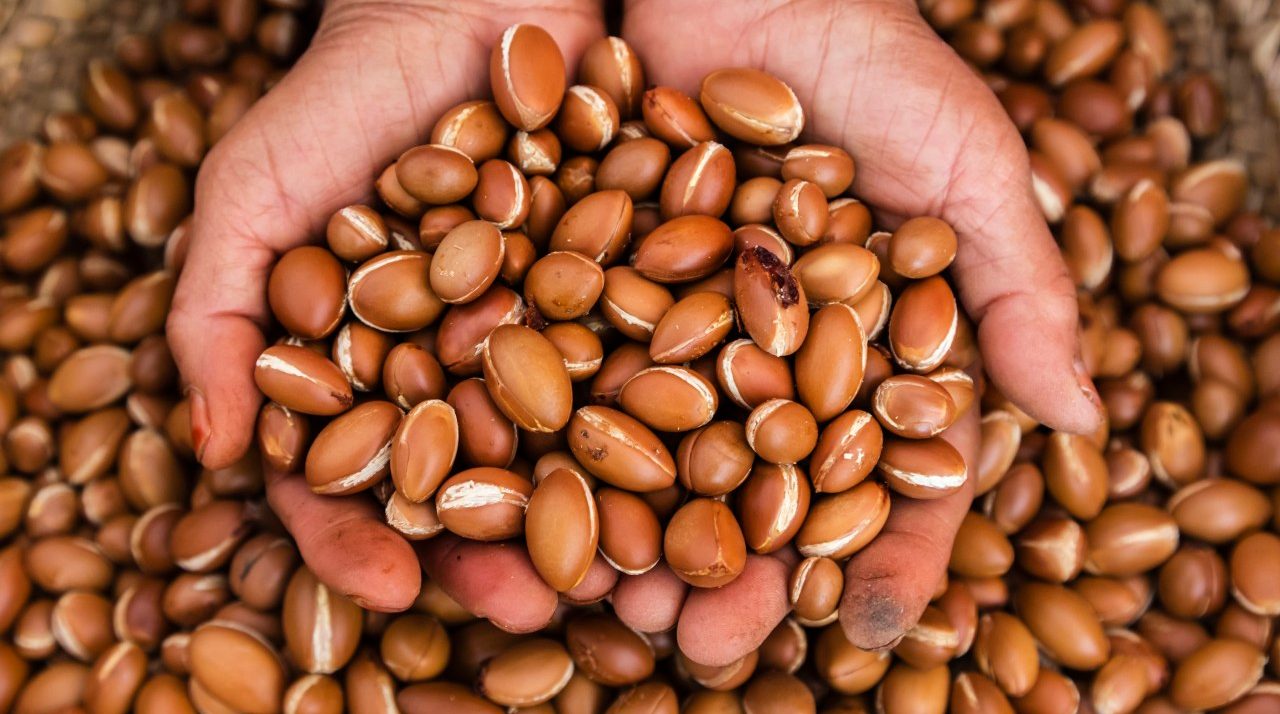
(609, 320)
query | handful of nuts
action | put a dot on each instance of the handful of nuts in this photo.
(624, 325)
(649, 372)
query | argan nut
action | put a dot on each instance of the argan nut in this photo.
(752, 105)
(846, 453)
(630, 535)
(612, 65)
(588, 119)
(527, 379)
(749, 376)
(923, 325)
(771, 303)
(829, 167)
(841, 524)
(830, 363)
(475, 128)
(924, 468)
(773, 503)
(526, 73)
(800, 212)
(704, 545)
(436, 174)
(912, 406)
(687, 247)
(310, 607)
(691, 328)
(423, 449)
(484, 503)
(608, 652)
(466, 262)
(715, 459)
(699, 182)
(620, 450)
(353, 452)
(528, 673)
(391, 292)
(562, 528)
(236, 666)
(669, 398)
(781, 431)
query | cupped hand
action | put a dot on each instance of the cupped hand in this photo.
(929, 138)
(373, 82)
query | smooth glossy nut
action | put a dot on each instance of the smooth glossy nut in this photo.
(562, 528)
(526, 73)
(704, 545)
(752, 105)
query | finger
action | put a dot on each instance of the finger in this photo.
(719, 626)
(889, 583)
(492, 580)
(651, 601)
(347, 545)
(596, 584)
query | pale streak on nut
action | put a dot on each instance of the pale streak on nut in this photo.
(599, 112)
(413, 529)
(937, 482)
(346, 484)
(759, 415)
(786, 511)
(707, 152)
(474, 494)
(629, 318)
(724, 368)
(527, 115)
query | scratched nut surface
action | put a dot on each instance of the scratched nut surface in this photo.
(620, 450)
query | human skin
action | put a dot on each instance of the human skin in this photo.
(929, 139)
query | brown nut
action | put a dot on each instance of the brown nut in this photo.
(913, 406)
(475, 128)
(846, 453)
(691, 328)
(484, 503)
(781, 431)
(423, 449)
(310, 607)
(630, 535)
(90, 378)
(800, 212)
(923, 325)
(1064, 625)
(620, 450)
(841, 524)
(632, 303)
(391, 292)
(608, 652)
(353, 452)
(436, 174)
(562, 528)
(1216, 674)
(684, 248)
(526, 377)
(466, 262)
(1129, 538)
(580, 228)
(485, 435)
(814, 590)
(772, 505)
(564, 285)
(669, 398)
(752, 105)
(749, 376)
(528, 673)
(704, 545)
(236, 667)
(526, 73)
(922, 247)
(927, 468)
(771, 303)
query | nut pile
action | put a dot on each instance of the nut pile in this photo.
(640, 356)
(661, 311)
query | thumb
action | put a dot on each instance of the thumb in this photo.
(1012, 280)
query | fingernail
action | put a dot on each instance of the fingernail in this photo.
(1086, 385)
(201, 429)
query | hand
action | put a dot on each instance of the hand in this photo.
(929, 138)
(377, 76)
